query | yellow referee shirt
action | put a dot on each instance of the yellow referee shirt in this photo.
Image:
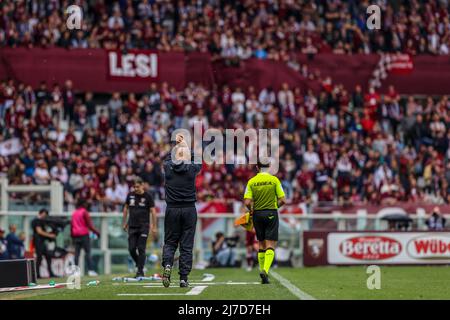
(265, 190)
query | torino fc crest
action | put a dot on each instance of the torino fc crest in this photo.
(315, 247)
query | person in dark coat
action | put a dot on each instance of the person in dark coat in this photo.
(181, 215)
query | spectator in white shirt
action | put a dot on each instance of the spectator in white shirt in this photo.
(382, 174)
(116, 20)
(111, 196)
(331, 119)
(311, 158)
(41, 174)
(285, 96)
(238, 99)
(122, 191)
(76, 181)
(267, 97)
(59, 172)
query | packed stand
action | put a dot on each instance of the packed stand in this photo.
(235, 30)
(335, 147)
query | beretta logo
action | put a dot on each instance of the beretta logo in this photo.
(370, 248)
(429, 247)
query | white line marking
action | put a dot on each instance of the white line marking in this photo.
(157, 285)
(195, 291)
(208, 277)
(37, 287)
(292, 288)
(149, 294)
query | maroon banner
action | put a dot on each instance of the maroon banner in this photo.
(87, 68)
(262, 74)
(98, 70)
(138, 65)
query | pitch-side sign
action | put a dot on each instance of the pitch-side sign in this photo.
(132, 65)
(388, 248)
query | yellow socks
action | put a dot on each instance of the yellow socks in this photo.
(265, 259)
(268, 259)
(261, 259)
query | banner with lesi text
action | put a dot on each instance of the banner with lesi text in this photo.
(132, 65)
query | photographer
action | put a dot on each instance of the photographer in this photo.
(223, 253)
(40, 237)
(436, 222)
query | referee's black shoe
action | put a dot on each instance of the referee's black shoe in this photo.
(264, 277)
(184, 284)
(140, 274)
(166, 276)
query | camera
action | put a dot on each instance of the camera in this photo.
(55, 224)
(232, 241)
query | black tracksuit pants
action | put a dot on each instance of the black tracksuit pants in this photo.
(41, 252)
(84, 243)
(137, 243)
(179, 230)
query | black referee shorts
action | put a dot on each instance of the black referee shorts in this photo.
(266, 224)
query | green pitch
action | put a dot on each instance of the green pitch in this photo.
(424, 282)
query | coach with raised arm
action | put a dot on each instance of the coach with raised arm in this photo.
(181, 215)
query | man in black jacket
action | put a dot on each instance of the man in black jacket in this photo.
(181, 214)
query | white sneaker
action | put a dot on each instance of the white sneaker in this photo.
(92, 273)
(249, 269)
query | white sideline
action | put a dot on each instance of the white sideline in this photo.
(195, 291)
(208, 277)
(292, 288)
(157, 285)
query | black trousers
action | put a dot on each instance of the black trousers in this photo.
(179, 230)
(137, 243)
(41, 252)
(84, 243)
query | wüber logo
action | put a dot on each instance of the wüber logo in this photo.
(429, 247)
(370, 248)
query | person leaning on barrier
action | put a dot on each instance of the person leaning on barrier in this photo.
(436, 221)
(4, 255)
(15, 243)
(40, 237)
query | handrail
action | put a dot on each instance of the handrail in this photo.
(307, 216)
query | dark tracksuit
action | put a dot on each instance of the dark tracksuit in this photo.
(15, 246)
(139, 206)
(40, 247)
(181, 214)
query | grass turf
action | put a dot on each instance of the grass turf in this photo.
(418, 282)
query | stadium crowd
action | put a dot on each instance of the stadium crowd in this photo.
(337, 146)
(269, 29)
